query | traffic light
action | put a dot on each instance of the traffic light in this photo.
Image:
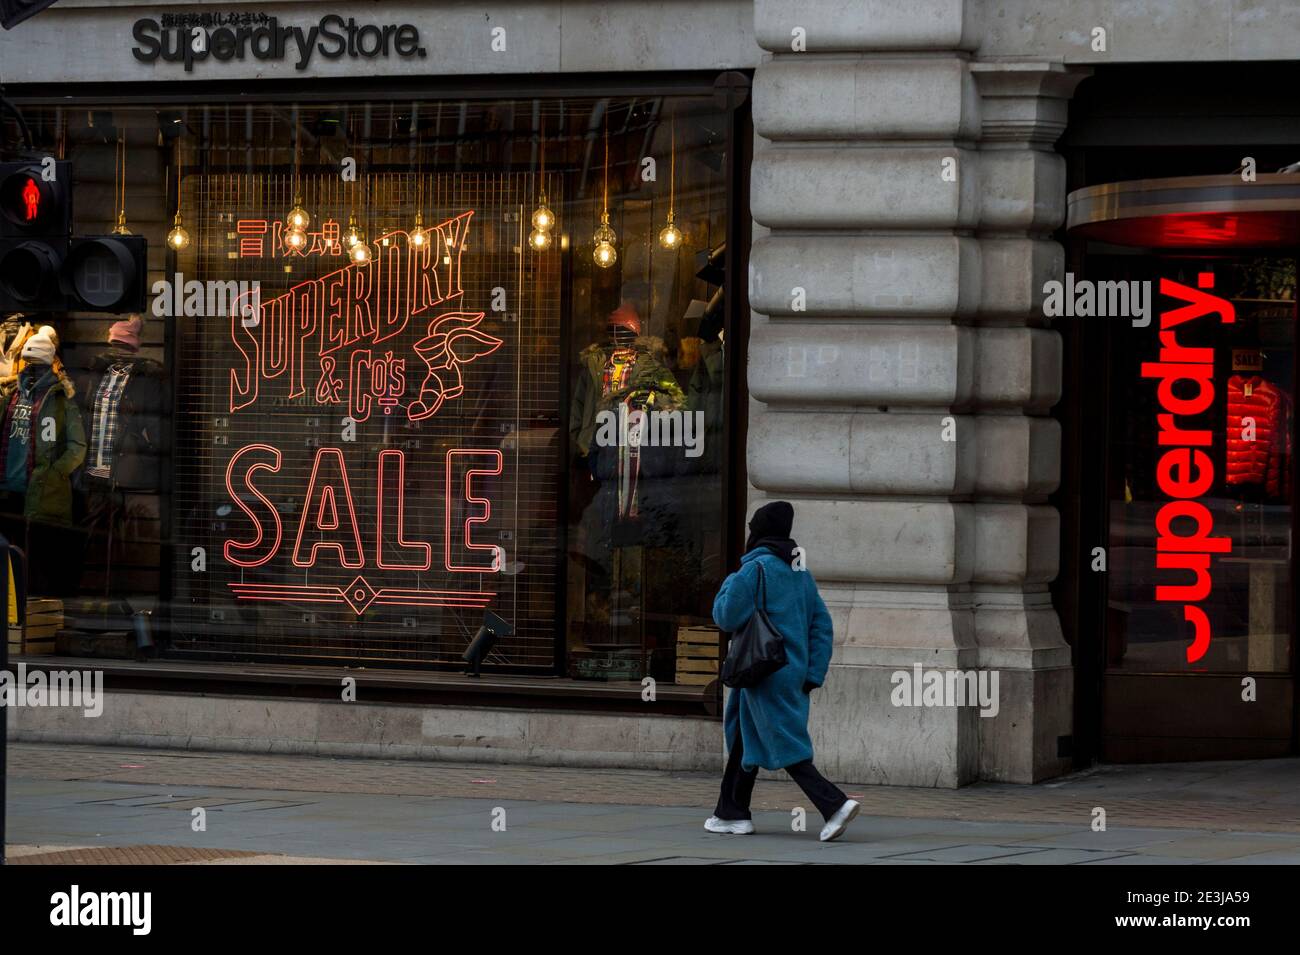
(35, 224)
(43, 267)
(106, 273)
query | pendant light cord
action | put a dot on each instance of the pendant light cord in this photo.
(121, 163)
(672, 166)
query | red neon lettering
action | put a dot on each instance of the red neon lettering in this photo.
(358, 399)
(348, 543)
(234, 549)
(424, 560)
(356, 303)
(435, 269)
(243, 395)
(1183, 474)
(390, 269)
(470, 519)
(250, 247)
(361, 318)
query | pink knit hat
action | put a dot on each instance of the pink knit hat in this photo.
(126, 333)
(625, 317)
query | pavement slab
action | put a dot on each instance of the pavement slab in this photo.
(86, 805)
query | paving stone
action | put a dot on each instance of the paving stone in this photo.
(376, 810)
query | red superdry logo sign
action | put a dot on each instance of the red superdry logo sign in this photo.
(1184, 526)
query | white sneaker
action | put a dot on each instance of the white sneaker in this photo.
(837, 823)
(735, 827)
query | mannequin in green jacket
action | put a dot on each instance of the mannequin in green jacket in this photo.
(641, 378)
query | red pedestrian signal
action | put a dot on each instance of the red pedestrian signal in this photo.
(32, 200)
(35, 200)
(43, 266)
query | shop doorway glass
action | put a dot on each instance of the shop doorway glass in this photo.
(1166, 695)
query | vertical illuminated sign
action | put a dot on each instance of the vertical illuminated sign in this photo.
(1185, 471)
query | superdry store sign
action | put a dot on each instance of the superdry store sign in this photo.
(1185, 473)
(376, 441)
(191, 38)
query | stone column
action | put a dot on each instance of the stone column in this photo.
(899, 388)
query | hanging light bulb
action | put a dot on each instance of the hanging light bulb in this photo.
(670, 237)
(120, 188)
(354, 233)
(539, 241)
(360, 252)
(543, 217)
(298, 218)
(295, 239)
(178, 238)
(604, 254)
(418, 237)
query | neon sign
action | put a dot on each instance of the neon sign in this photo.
(329, 532)
(335, 321)
(1185, 472)
(371, 455)
(333, 342)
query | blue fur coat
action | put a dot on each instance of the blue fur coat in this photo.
(772, 718)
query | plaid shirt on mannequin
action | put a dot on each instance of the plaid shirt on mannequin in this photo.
(104, 421)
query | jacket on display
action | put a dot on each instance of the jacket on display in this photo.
(136, 431)
(1265, 460)
(647, 376)
(50, 460)
(772, 718)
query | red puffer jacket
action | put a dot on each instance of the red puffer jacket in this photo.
(1266, 458)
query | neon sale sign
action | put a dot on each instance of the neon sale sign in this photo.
(385, 340)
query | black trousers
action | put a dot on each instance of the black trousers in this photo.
(738, 787)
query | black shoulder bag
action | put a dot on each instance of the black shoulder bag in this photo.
(756, 649)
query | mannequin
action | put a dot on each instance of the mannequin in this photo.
(42, 440)
(122, 397)
(626, 368)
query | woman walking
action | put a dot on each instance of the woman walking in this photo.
(767, 725)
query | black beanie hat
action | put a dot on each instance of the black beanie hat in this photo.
(772, 520)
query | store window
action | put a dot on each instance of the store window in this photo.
(404, 367)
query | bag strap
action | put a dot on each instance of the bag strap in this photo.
(760, 596)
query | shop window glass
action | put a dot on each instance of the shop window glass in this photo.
(310, 449)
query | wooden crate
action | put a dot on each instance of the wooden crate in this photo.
(44, 620)
(697, 655)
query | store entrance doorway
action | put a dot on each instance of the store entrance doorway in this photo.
(1191, 502)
